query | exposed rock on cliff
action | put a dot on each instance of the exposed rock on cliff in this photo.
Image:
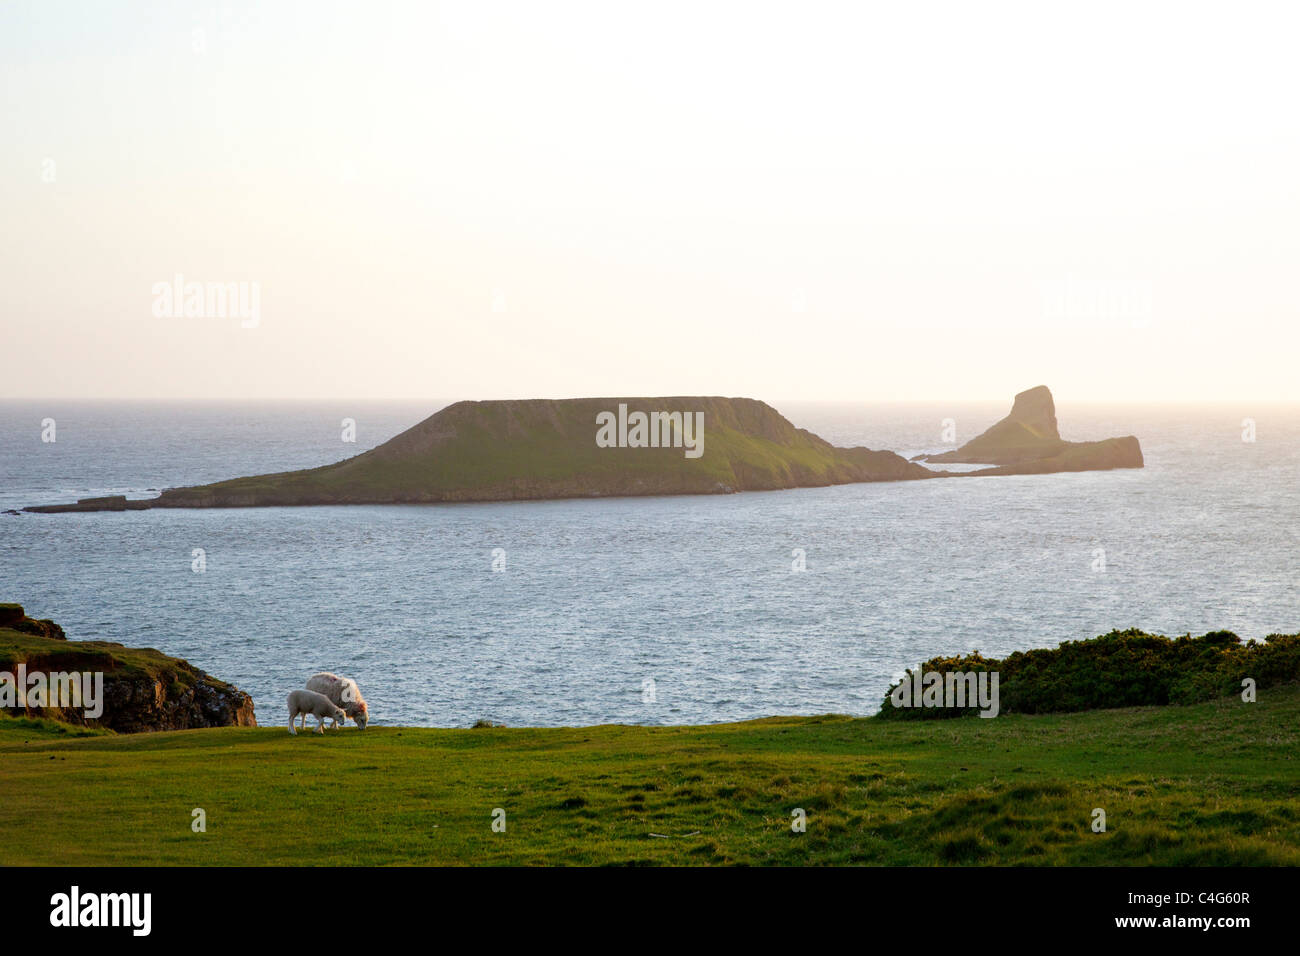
(1027, 442)
(12, 616)
(143, 689)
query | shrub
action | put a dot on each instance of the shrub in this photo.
(1120, 669)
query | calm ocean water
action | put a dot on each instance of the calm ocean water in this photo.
(694, 593)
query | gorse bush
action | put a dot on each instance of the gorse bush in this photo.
(1120, 669)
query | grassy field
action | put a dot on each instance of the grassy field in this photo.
(1214, 783)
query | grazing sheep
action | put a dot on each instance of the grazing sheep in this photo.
(304, 702)
(344, 692)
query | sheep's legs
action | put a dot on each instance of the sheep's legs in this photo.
(297, 720)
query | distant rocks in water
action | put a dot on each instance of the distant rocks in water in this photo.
(1027, 442)
(105, 503)
(143, 689)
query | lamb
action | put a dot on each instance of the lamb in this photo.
(344, 692)
(304, 702)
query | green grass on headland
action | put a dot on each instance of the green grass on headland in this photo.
(61, 655)
(1212, 783)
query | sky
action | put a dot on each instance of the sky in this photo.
(842, 202)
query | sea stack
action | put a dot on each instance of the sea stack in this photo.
(1028, 441)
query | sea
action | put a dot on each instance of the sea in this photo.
(665, 610)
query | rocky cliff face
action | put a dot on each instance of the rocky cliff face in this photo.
(143, 689)
(1035, 409)
(12, 616)
(1027, 442)
(162, 702)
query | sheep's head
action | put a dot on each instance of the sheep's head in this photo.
(339, 716)
(362, 717)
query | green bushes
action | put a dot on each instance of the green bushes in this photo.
(1120, 669)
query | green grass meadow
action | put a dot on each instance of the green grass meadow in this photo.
(1209, 784)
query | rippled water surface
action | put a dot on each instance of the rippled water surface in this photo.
(694, 593)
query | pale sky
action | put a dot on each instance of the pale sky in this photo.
(894, 201)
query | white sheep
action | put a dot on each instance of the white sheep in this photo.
(343, 692)
(304, 702)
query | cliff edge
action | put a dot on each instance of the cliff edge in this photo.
(142, 690)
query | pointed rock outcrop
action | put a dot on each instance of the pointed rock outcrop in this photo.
(1027, 441)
